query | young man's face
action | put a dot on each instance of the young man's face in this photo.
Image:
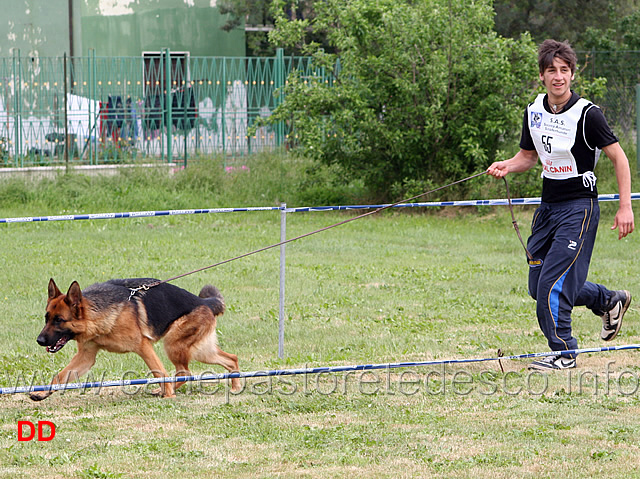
(557, 79)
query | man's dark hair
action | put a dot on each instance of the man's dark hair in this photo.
(550, 49)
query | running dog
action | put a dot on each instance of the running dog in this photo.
(126, 315)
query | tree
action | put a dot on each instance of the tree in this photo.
(250, 12)
(256, 16)
(424, 91)
(604, 33)
(567, 20)
(612, 53)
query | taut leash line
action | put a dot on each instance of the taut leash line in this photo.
(151, 285)
(349, 220)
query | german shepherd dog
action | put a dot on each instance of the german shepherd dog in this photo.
(107, 316)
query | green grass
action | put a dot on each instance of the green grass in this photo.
(399, 286)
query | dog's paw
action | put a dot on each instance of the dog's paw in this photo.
(164, 393)
(235, 385)
(39, 396)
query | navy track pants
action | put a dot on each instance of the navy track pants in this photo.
(561, 243)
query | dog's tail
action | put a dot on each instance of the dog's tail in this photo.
(213, 298)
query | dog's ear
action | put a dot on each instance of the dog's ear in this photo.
(74, 295)
(54, 292)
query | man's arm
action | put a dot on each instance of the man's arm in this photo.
(523, 160)
(624, 217)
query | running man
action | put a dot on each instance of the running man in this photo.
(568, 133)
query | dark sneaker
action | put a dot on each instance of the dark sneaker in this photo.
(612, 319)
(553, 362)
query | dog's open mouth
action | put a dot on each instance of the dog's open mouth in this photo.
(59, 344)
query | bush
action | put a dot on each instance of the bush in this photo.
(426, 91)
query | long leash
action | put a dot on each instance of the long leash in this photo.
(146, 287)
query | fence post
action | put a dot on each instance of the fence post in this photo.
(283, 238)
(65, 116)
(279, 76)
(638, 127)
(167, 103)
(94, 119)
(223, 105)
(17, 108)
(90, 107)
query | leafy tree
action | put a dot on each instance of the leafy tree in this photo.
(606, 36)
(623, 34)
(252, 12)
(613, 53)
(423, 91)
(566, 20)
(256, 14)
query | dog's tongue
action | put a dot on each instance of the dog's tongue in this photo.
(58, 346)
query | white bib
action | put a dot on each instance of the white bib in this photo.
(555, 135)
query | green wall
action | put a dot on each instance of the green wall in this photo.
(153, 25)
(116, 28)
(36, 28)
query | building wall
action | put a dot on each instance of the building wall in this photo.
(116, 28)
(35, 28)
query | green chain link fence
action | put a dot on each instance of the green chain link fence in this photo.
(163, 107)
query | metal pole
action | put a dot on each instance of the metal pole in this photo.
(95, 117)
(638, 126)
(17, 122)
(283, 238)
(184, 114)
(167, 104)
(168, 107)
(279, 75)
(66, 125)
(223, 103)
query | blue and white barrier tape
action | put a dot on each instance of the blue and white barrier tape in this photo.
(301, 371)
(496, 202)
(141, 214)
(132, 214)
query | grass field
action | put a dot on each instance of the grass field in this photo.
(392, 287)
